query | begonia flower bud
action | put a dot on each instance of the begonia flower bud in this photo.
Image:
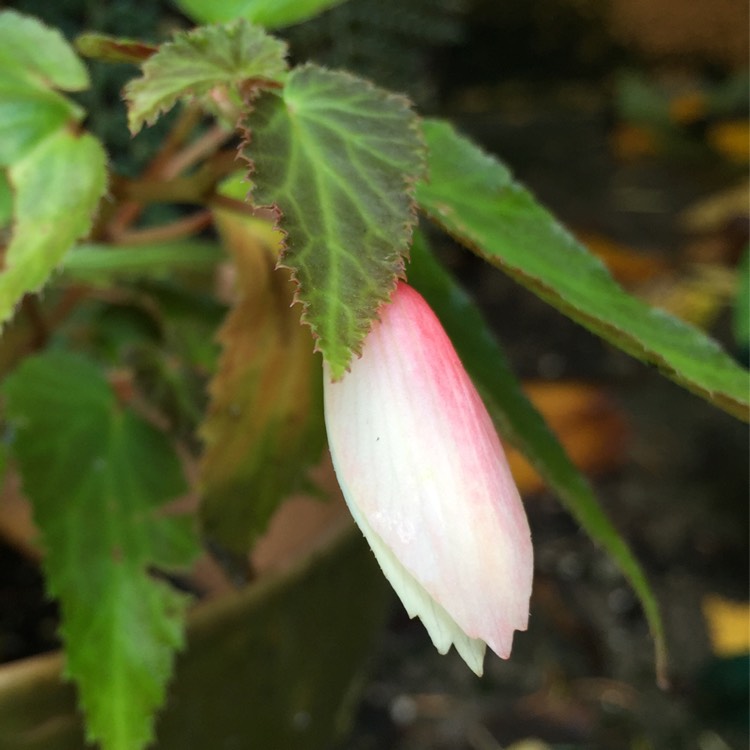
(424, 474)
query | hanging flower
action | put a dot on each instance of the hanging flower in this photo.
(426, 479)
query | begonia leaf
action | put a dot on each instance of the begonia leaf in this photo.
(222, 59)
(56, 188)
(270, 15)
(97, 476)
(337, 157)
(39, 53)
(29, 113)
(34, 60)
(6, 200)
(475, 198)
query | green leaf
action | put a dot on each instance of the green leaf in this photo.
(96, 475)
(520, 422)
(232, 58)
(295, 643)
(474, 197)
(34, 59)
(6, 200)
(264, 426)
(337, 157)
(268, 14)
(57, 189)
(39, 53)
(29, 113)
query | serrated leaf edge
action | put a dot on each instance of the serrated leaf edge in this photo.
(245, 86)
(275, 212)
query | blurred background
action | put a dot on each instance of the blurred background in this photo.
(629, 119)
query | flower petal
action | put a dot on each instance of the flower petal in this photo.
(421, 465)
(441, 627)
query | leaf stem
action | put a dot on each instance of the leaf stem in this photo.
(202, 147)
(174, 230)
(173, 159)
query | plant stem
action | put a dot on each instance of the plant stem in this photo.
(200, 148)
(174, 230)
(171, 161)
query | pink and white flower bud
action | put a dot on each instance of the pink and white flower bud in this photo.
(426, 479)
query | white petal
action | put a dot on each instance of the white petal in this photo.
(421, 464)
(440, 625)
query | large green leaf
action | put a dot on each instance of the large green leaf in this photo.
(264, 426)
(228, 58)
(29, 112)
(39, 53)
(34, 60)
(6, 201)
(96, 475)
(268, 14)
(57, 188)
(520, 423)
(475, 198)
(337, 157)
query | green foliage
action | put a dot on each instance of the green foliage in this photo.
(475, 198)
(271, 15)
(29, 113)
(39, 54)
(6, 201)
(57, 188)
(56, 174)
(337, 157)
(34, 60)
(295, 644)
(219, 62)
(97, 474)
(519, 422)
(336, 162)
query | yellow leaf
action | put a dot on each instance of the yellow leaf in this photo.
(728, 625)
(731, 139)
(586, 422)
(264, 423)
(628, 265)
